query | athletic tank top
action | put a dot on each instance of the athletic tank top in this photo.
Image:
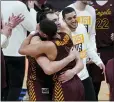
(63, 46)
(35, 72)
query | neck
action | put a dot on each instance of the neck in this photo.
(79, 5)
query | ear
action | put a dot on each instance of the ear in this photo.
(44, 35)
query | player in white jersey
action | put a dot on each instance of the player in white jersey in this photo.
(85, 17)
(80, 39)
(15, 63)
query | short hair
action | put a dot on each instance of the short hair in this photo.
(66, 11)
(48, 27)
(43, 15)
(47, 7)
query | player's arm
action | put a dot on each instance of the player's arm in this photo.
(69, 74)
(93, 30)
(33, 50)
(51, 67)
(29, 22)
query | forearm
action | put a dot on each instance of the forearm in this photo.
(23, 46)
(56, 66)
(51, 67)
(94, 56)
(93, 41)
(78, 67)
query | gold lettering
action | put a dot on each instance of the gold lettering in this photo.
(102, 13)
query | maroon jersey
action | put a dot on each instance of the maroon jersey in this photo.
(104, 23)
(39, 84)
(110, 77)
(74, 86)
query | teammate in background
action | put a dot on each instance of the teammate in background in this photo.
(15, 63)
(80, 40)
(84, 17)
(104, 13)
(6, 31)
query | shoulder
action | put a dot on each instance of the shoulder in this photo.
(19, 6)
(90, 9)
(48, 44)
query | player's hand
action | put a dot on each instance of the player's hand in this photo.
(7, 29)
(72, 54)
(102, 66)
(66, 76)
(15, 20)
(89, 62)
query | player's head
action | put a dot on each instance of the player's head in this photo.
(69, 16)
(51, 16)
(47, 29)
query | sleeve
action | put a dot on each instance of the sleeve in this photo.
(33, 13)
(93, 29)
(29, 22)
(91, 53)
(4, 41)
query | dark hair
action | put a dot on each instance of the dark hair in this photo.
(43, 15)
(48, 27)
(47, 7)
(67, 10)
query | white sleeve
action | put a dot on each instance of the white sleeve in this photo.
(93, 30)
(33, 13)
(29, 22)
(91, 53)
(4, 41)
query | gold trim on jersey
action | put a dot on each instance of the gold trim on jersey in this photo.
(58, 92)
(31, 91)
(63, 42)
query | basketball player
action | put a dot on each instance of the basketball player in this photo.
(62, 45)
(15, 63)
(84, 17)
(80, 40)
(5, 34)
(104, 13)
(88, 18)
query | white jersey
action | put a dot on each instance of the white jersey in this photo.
(87, 19)
(80, 40)
(19, 33)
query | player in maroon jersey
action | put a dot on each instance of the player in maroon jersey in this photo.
(104, 29)
(56, 47)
